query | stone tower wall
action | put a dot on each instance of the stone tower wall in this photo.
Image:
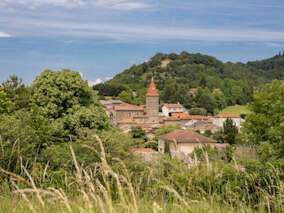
(152, 108)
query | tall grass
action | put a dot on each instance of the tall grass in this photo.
(162, 185)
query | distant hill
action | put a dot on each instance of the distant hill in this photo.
(175, 74)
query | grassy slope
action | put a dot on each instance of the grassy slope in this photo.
(236, 110)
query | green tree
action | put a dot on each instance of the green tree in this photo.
(230, 131)
(264, 126)
(58, 93)
(126, 96)
(16, 94)
(6, 104)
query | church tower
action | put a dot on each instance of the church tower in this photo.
(152, 103)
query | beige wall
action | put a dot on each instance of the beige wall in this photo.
(167, 110)
(186, 148)
(220, 121)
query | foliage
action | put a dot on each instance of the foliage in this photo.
(230, 131)
(197, 111)
(62, 109)
(236, 110)
(264, 126)
(166, 129)
(228, 134)
(138, 132)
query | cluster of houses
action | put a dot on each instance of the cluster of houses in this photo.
(183, 141)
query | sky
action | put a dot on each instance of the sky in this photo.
(101, 38)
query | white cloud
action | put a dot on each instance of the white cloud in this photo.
(122, 4)
(108, 78)
(143, 32)
(4, 35)
(97, 81)
(115, 4)
(32, 4)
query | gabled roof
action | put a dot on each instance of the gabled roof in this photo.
(152, 91)
(128, 107)
(186, 136)
(226, 115)
(173, 105)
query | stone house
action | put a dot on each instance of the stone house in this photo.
(168, 109)
(182, 142)
(220, 119)
(123, 111)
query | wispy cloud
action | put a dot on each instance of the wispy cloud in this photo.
(4, 35)
(142, 32)
(114, 4)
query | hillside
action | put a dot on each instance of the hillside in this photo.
(222, 84)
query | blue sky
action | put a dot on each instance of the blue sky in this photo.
(101, 38)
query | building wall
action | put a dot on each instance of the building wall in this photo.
(220, 121)
(120, 115)
(152, 108)
(177, 122)
(166, 111)
(186, 148)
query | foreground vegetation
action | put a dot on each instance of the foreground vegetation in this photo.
(59, 152)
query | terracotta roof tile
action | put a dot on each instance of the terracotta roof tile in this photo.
(128, 107)
(152, 91)
(171, 119)
(126, 121)
(198, 117)
(140, 116)
(186, 136)
(173, 105)
(181, 115)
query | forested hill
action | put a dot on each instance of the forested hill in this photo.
(224, 83)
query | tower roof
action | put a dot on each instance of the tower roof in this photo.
(152, 91)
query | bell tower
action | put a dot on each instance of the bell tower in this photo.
(152, 103)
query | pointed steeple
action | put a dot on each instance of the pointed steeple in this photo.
(152, 91)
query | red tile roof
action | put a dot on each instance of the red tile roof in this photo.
(226, 115)
(126, 121)
(186, 136)
(198, 117)
(171, 119)
(181, 115)
(144, 150)
(128, 107)
(140, 116)
(173, 105)
(152, 91)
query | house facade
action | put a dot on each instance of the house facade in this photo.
(220, 119)
(169, 109)
(182, 142)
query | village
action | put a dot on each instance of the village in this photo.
(181, 141)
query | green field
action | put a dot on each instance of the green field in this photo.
(236, 110)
